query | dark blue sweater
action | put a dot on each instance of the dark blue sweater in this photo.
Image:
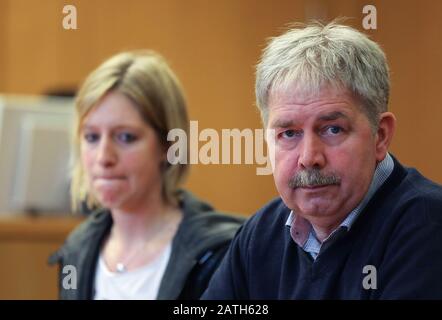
(399, 233)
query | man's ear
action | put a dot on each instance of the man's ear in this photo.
(384, 134)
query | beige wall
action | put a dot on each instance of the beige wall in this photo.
(213, 46)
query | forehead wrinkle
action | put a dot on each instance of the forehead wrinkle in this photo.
(333, 116)
(325, 116)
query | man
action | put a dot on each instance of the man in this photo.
(351, 222)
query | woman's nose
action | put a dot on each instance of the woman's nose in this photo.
(107, 155)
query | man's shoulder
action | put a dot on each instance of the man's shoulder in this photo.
(420, 186)
(407, 184)
(273, 208)
(419, 190)
(414, 197)
(273, 215)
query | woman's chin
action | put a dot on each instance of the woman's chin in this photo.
(110, 201)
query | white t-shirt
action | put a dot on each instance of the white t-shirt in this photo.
(140, 284)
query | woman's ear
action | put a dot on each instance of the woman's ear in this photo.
(384, 134)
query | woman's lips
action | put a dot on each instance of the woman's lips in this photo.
(108, 181)
(108, 178)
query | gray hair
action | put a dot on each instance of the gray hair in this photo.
(307, 58)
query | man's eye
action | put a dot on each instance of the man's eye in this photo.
(290, 134)
(333, 130)
(126, 137)
(91, 137)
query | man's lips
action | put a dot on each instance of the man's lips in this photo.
(316, 187)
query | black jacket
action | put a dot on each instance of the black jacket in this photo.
(197, 249)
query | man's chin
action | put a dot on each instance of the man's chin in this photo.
(311, 206)
(311, 193)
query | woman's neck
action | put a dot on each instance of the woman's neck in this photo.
(138, 237)
(144, 223)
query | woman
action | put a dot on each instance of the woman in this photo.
(148, 239)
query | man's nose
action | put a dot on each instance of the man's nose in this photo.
(311, 152)
(106, 155)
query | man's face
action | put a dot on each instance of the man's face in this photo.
(325, 153)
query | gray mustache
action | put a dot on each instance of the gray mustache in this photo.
(313, 178)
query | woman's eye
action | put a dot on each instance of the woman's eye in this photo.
(126, 137)
(91, 137)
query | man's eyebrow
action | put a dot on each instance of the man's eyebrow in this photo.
(333, 116)
(282, 123)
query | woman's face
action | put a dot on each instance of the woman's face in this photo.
(121, 154)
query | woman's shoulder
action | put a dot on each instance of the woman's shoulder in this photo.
(84, 238)
(96, 224)
(201, 222)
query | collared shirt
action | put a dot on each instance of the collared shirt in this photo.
(302, 231)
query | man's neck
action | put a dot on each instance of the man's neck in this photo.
(323, 231)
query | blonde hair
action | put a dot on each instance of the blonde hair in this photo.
(146, 79)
